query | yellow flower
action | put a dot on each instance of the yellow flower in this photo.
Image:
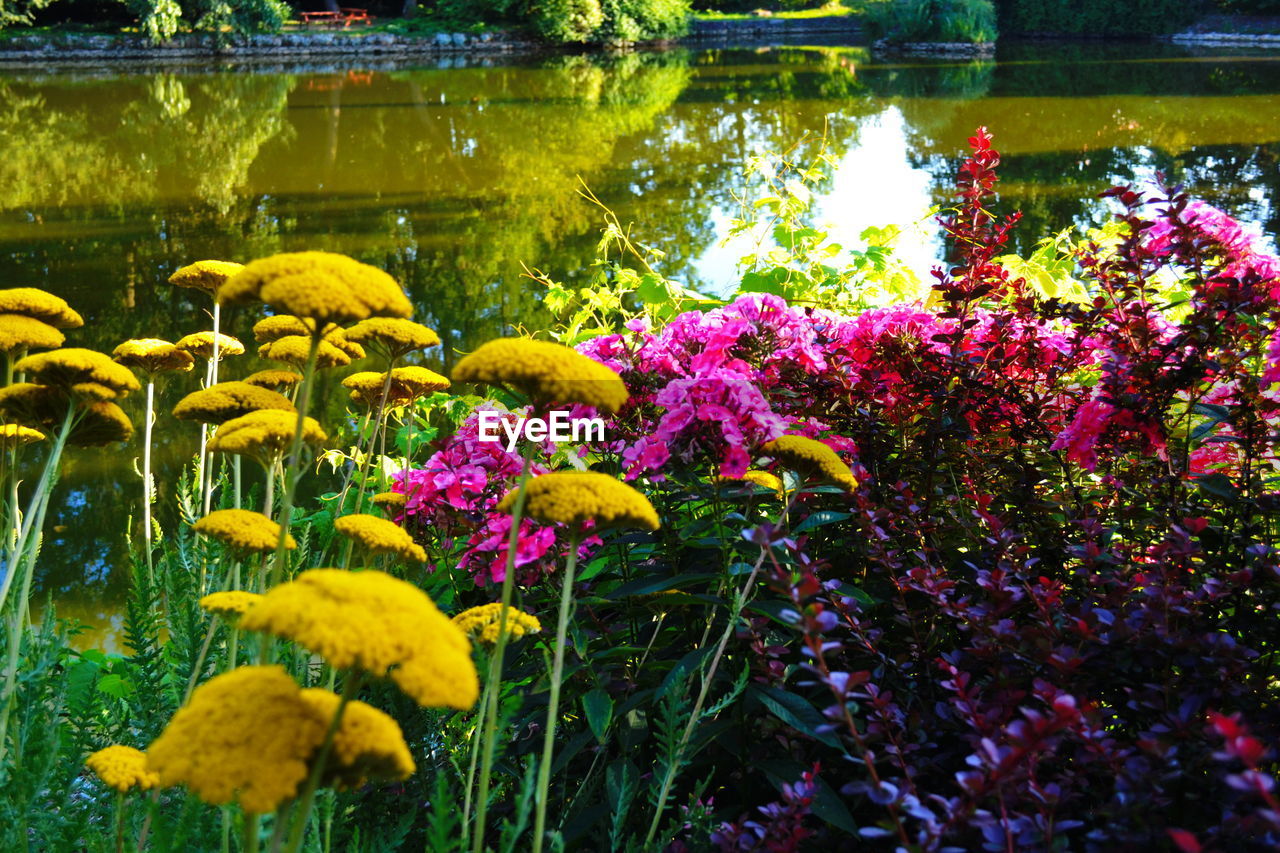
(394, 335)
(152, 355)
(18, 332)
(811, 457)
(274, 379)
(279, 326)
(230, 604)
(226, 400)
(92, 391)
(321, 286)
(481, 623)
(294, 349)
(572, 497)
(100, 424)
(763, 479)
(390, 502)
(67, 367)
(373, 622)
(34, 405)
(407, 385)
(264, 434)
(246, 735)
(122, 768)
(12, 435)
(544, 372)
(243, 530)
(200, 345)
(46, 307)
(368, 743)
(205, 275)
(379, 536)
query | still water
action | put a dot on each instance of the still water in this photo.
(453, 177)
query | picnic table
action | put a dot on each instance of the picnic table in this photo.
(344, 18)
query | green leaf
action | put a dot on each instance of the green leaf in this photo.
(826, 804)
(1218, 485)
(114, 686)
(795, 711)
(818, 519)
(599, 710)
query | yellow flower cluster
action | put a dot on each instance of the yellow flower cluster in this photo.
(152, 355)
(264, 433)
(573, 497)
(96, 423)
(763, 479)
(295, 349)
(200, 345)
(73, 366)
(544, 372)
(481, 623)
(230, 604)
(394, 335)
(19, 333)
(12, 435)
(243, 530)
(36, 405)
(223, 401)
(379, 536)
(373, 622)
(99, 424)
(246, 735)
(274, 379)
(279, 326)
(321, 286)
(122, 768)
(389, 502)
(46, 307)
(205, 275)
(407, 385)
(368, 743)
(813, 458)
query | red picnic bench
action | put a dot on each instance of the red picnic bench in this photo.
(344, 18)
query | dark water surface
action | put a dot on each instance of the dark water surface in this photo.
(451, 178)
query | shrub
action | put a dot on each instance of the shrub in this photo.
(971, 21)
(1095, 17)
(567, 20)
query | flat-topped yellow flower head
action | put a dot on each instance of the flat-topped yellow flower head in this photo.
(231, 604)
(19, 333)
(573, 497)
(122, 769)
(379, 536)
(13, 435)
(321, 286)
(394, 336)
(763, 479)
(152, 355)
(34, 405)
(246, 736)
(243, 530)
(544, 372)
(223, 401)
(274, 380)
(389, 502)
(205, 275)
(73, 365)
(100, 424)
(264, 434)
(812, 458)
(481, 623)
(279, 326)
(295, 349)
(368, 744)
(407, 384)
(200, 345)
(375, 623)
(44, 306)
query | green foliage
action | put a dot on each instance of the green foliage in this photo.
(19, 11)
(972, 21)
(567, 21)
(1095, 17)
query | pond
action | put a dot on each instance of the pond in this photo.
(452, 178)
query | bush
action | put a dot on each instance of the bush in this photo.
(567, 20)
(972, 21)
(1096, 17)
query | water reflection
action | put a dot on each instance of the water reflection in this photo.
(452, 177)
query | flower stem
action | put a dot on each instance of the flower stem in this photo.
(485, 698)
(349, 689)
(146, 476)
(120, 822)
(499, 650)
(250, 832)
(553, 707)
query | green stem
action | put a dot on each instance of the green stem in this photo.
(146, 477)
(200, 659)
(553, 707)
(349, 689)
(120, 822)
(499, 649)
(485, 698)
(250, 832)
